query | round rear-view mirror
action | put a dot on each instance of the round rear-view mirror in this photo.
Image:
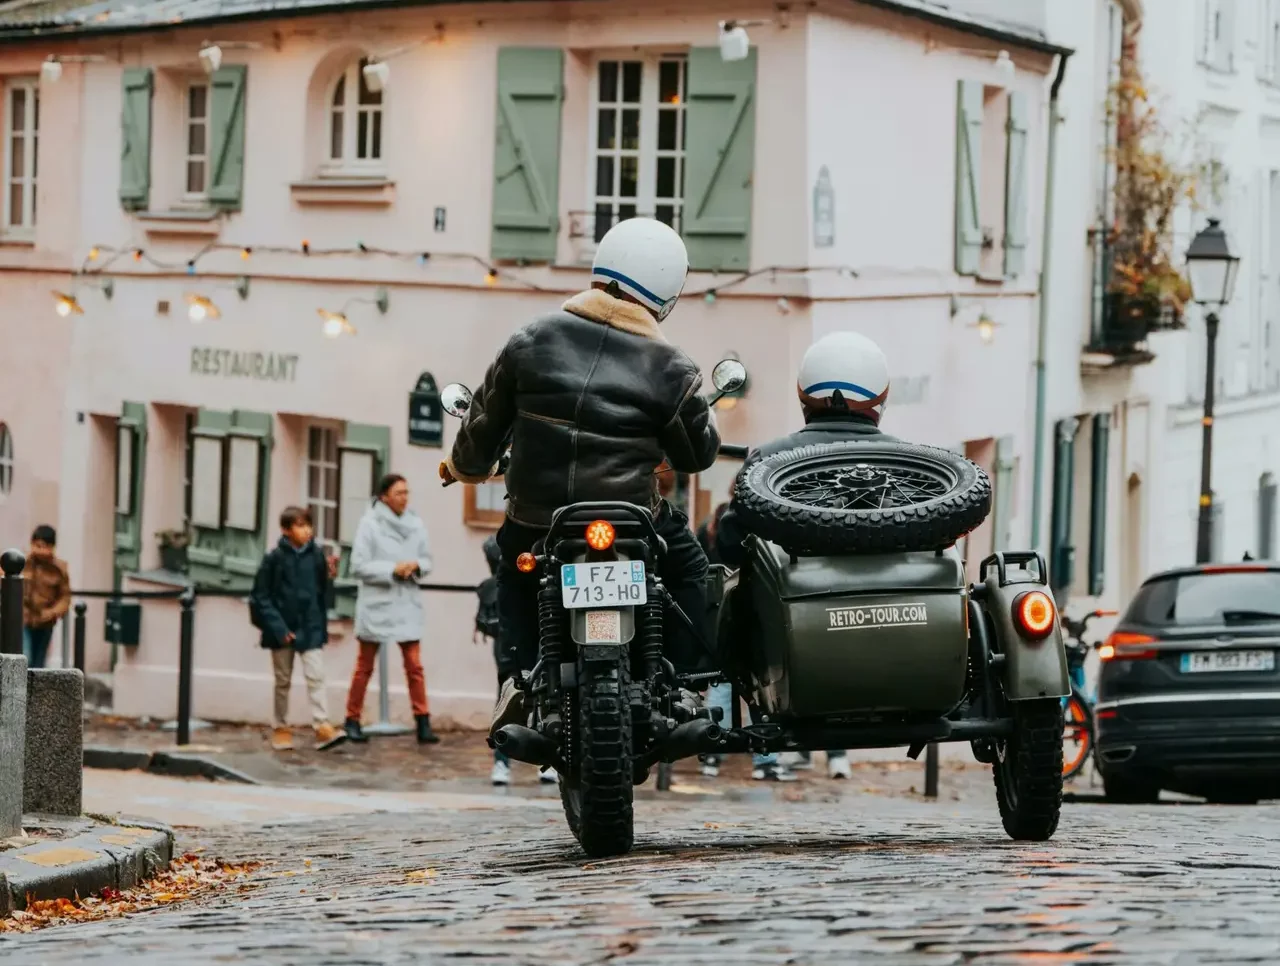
(729, 375)
(456, 399)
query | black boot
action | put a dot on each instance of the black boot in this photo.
(425, 735)
(354, 732)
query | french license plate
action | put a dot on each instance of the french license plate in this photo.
(1229, 661)
(615, 583)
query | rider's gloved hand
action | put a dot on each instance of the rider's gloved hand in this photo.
(446, 477)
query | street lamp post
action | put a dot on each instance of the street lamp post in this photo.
(1212, 272)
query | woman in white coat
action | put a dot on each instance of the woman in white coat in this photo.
(388, 556)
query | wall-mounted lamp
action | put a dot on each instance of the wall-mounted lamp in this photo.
(201, 308)
(335, 324)
(377, 72)
(51, 67)
(784, 305)
(210, 53)
(986, 327)
(66, 304)
(734, 42)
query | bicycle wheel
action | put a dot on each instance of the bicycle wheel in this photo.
(1077, 734)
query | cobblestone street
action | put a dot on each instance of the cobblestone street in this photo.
(756, 875)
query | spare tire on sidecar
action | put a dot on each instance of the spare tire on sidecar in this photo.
(852, 624)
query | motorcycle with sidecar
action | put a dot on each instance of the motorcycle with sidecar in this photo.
(851, 625)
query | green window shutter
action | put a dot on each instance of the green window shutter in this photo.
(371, 439)
(1266, 516)
(135, 143)
(719, 160)
(526, 160)
(226, 132)
(128, 526)
(1062, 554)
(1015, 186)
(1002, 512)
(968, 169)
(1098, 504)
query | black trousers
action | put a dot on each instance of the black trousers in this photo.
(683, 571)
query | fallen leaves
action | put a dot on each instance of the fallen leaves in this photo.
(420, 875)
(190, 875)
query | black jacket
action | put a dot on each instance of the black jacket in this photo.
(291, 594)
(590, 399)
(822, 427)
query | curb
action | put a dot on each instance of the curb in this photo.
(99, 857)
(176, 764)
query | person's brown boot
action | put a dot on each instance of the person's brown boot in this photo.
(509, 708)
(327, 736)
(282, 739)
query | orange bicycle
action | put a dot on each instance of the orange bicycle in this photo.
(1077, 707)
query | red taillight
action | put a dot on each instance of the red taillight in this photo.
(1034, 614)
(526, 562)
(1107, 715)
(600, 535)
(1105, 613)
(1127, 646)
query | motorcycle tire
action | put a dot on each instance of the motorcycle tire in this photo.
(864, 497)
(1028, 774)
(598, 794)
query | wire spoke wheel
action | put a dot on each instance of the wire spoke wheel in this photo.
(864, 486)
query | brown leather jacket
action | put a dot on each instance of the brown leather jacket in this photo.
(46, 591)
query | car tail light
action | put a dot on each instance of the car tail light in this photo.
(1107, 715)
(526, 562)
(1127, 646)
(600, 535)
(1034, 614)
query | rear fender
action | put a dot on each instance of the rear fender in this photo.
(1031, 669)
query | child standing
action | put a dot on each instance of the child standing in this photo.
(290, 605)
(46, 594)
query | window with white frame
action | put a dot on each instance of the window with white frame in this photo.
(638, 138)
(197, 141)
(21, 153)
(485, 505)
(321, 472)
(355, 122)
(1218, 34)
(1268, 41)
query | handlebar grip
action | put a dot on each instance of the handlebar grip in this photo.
(733, 451)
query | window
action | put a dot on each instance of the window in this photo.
(1215, 598)
(6, 461)
(197, 132)
(321, 471)
(992, 131)
(1267, 516)
(22, 128)
(638, 141)
(1269, 42)
(355, 122)
(1218, 34)
(126, 438)
(485, 505)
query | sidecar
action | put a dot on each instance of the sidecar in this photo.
(840, 645)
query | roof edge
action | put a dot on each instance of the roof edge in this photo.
(968, 24)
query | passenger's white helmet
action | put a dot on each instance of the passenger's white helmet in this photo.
(647, 260)
(847, 368)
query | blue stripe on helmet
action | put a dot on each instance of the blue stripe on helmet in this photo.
(640, 290)
(836, 384)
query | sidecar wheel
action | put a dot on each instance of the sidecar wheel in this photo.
(597, 798)
(872, 496)
(1028, 776)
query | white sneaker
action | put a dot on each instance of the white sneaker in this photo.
(839, 767)
(548, 777)
(710, 766)
(501, 774)
(774, 773)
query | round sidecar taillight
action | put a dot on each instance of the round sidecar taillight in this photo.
(1034, 614)
(600, 535)
(526, 562)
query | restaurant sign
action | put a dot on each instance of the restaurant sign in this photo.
(426, 416)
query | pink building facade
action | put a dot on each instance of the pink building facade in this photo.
(258, 258)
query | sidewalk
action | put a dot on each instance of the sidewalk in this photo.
(460, 764)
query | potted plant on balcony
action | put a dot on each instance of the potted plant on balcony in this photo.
(173, 550)
(1145, 289)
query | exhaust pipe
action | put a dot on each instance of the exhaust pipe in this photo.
(696, 737)
(525, 744)
(1116, 755)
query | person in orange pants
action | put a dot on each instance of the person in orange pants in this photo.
(390, 552)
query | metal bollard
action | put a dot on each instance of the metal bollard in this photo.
(186, 650)
(385, 727)
(78, 635)
(931, 771)
(12, 563)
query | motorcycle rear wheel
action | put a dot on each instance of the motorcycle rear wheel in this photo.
(1028, 774)
(597, 794)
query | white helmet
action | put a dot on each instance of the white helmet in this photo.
(847, 368)
(647, 260)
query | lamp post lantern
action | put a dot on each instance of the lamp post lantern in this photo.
(1211, 269)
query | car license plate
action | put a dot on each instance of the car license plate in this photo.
(1229, 661)
(614, 583)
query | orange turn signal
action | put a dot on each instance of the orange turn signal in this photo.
(600, 535)
(526, 562)
(1034, 614)
(1127, 646)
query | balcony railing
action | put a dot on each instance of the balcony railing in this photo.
(1120, 324)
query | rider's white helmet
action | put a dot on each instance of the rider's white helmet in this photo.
(647, 260)
(845, 368)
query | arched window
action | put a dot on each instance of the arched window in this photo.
(355, 122)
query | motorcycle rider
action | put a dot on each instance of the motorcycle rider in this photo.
(843, 386)
(591, 399)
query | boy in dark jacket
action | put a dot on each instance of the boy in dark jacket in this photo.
(46, 594)
(290, 605)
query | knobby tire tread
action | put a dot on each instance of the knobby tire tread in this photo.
(1033, 765)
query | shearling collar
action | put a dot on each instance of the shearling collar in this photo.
(598, 306)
